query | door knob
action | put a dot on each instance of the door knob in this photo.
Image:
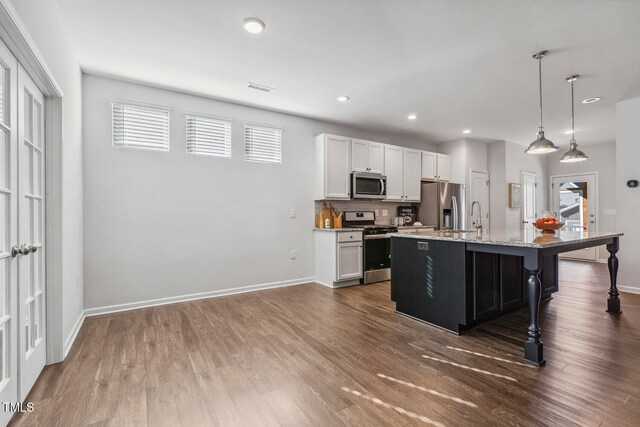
(33, 248)
(24, 250)
(15, 251)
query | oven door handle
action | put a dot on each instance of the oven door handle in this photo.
(377, 236)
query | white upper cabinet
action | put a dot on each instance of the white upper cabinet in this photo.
(367, 156)
(394, 170)
(412, 173)
(359, 155)
(443, 167)
(435, 166)
(429, 167)
(376, 157)
(332, 157)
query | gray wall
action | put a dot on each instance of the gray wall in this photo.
(602, 159)
(167, 224)
(507, 161)
(628, 199)
(42, 20)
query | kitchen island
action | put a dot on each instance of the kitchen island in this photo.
(456, 280)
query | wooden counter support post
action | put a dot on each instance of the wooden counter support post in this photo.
(613, 302)
(533, 346)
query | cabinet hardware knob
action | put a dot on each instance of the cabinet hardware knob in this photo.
(24, 250)
(15, 251)
(33, 248)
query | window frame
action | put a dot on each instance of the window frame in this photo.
(142, 105)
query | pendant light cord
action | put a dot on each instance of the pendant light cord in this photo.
(540, 87)
(573, 116)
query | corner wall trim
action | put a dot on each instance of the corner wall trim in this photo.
(96, 311)
(629, 289)
(68, 343)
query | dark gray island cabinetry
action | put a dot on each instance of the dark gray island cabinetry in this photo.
(456, 280)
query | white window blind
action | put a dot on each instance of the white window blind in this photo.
(143, 127)
(262, 143)
(208, 136)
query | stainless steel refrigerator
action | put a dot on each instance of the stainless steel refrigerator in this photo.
(443, 205)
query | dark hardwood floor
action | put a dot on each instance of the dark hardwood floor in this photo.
(309, 355)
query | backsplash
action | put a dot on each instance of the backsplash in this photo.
(365, 205)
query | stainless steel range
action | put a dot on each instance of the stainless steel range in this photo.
(377, 245)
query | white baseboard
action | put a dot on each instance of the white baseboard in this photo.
(630, 289)
(96, 311)
(74, 333)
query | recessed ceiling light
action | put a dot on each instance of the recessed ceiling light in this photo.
(466, 131)
(343, 98)
(253, 25)
(412, 116)
(568, 132)
(591, 100)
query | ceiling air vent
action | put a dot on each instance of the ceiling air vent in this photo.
(263, 88)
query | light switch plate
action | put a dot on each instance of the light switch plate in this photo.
(377, 213)
(294, 254)
(292, 213)
(385, 212)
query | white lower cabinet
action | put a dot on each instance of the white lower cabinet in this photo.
(349, 261)
(338, 257)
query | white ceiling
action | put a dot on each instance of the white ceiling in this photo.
(457, 64)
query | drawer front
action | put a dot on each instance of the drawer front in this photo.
(355, 236)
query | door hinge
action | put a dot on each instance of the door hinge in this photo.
(536, 185)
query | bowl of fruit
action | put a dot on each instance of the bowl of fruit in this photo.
(548, 224)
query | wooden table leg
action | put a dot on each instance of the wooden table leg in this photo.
(613, 302)
(533, 348)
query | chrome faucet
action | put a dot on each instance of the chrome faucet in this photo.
(478, 221)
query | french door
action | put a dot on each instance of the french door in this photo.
(31, 303)
(479, 193)
(22, 257)
(529, 190)
(8, 230)
(575, 199)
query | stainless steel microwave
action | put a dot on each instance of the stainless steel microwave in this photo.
(365, 185)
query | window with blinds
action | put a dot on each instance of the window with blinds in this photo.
(262, 143)
(142, 127)
(208, 136)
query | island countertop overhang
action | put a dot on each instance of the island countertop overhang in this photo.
(516, 238)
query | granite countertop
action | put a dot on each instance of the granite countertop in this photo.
(337, 230)
(412, 227)
(518, 237)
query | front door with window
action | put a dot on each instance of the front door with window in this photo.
(575, 202)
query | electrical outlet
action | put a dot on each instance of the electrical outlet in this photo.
(385, 212)
(294, 254)
(377, 213)
(292, 213)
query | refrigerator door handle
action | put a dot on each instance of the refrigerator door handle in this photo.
(454, 205)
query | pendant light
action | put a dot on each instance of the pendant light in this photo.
(573, 155)
(541, 145)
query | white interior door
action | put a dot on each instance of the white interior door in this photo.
(479, 192)
(529, 190)
(8, 231)
(575, 200)
(31, 296)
